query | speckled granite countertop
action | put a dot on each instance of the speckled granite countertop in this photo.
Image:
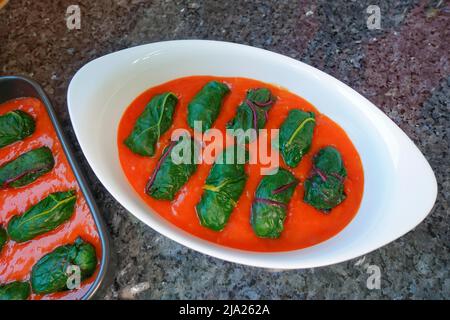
(403, 68)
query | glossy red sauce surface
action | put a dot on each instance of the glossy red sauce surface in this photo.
(304, 225)
(17, 259)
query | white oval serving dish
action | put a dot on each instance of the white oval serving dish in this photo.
(400, 187)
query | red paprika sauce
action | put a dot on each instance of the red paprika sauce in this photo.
(17, 259)
(304, 225)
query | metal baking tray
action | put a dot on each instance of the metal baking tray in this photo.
(12, 87)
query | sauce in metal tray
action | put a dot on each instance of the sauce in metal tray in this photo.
(17, 259)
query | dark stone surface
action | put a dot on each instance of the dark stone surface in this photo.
(403, 68)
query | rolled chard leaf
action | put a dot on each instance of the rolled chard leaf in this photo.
(269, 207)
(206, 105)
(43, 217)
(174, 168)
(223, 188)
(324, 189)
(3, 238)
(252, 113)
(50, 275)
(296, 135)
(152, 123)
(16, 290)
(15, 126)
(26, 168)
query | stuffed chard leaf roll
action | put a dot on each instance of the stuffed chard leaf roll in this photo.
(26, 168)
(16, 290)
(223, 188)
(206, 105)
(49, 274)
(324, 189)
(296, 135)
(176, 165)
(15, 126)
(252, 113)
(3, 238)
(152, 123)
(46, 215)
(269, 207)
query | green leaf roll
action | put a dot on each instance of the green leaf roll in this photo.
(296, 135)
(324, 189)
(152, 123)
(14, 126)
(3, 238)
(206, 105)
(169, 175)
(15, 291)
(49, 274)
(252, 113)
(43, 217)
(223, 188)
(26, 168)
(269, 207)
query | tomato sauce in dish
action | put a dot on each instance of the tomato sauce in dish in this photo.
(304, 225)
(17, 259)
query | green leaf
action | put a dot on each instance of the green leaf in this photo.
(26, 168)
(170, 174)
(15, 126)
(3, 238)
(252, 113)
(49, 274)
(223, 188)
(43, 217)
(324, 190)
(15, 291)
(206, 105)
(269, 207)
(152, 123)
(85, 258)
(296, 135)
